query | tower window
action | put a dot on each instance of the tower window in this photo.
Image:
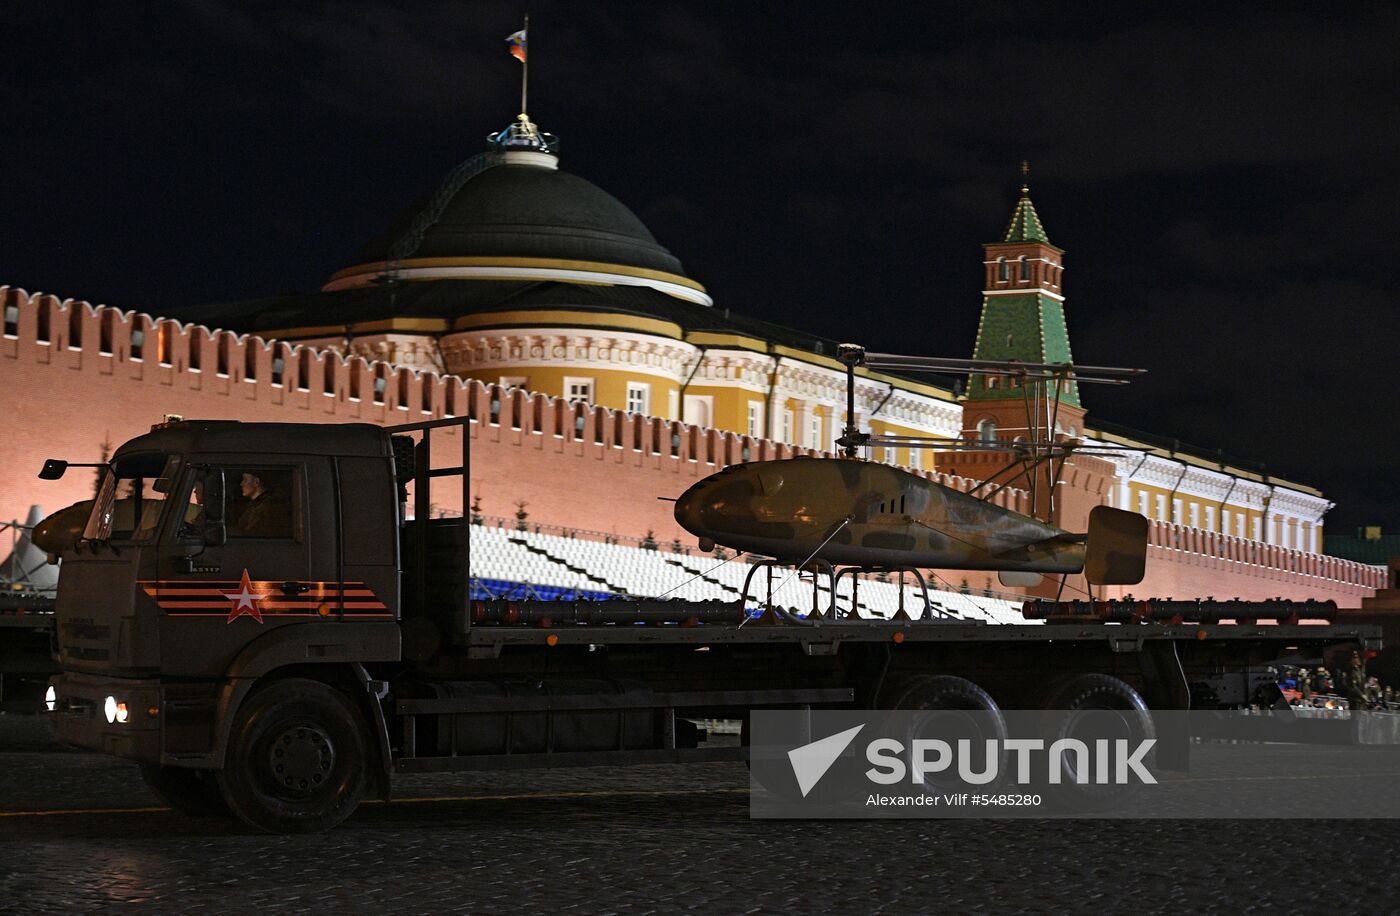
(1025, 268)
(1003, 270)
(987, 432)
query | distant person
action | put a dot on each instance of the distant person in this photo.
(265, 513)
(1354, 683)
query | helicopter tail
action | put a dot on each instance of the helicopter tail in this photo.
(1117, 550)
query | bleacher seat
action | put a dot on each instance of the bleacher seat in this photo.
(567, 566)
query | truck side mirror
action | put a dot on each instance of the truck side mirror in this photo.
(53, 469)
(215, 531)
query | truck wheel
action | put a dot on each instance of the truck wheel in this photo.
(193, 793)
(943, 691)
(1092, 707)
(296, 758)
(950, 709)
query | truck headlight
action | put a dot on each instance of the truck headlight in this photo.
(109, 708)
(50, 698)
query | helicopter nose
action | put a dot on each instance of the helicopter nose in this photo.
(688, 509)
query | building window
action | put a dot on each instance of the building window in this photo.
(755, 419)
(1003, 271)
(1142, 503)
(916, 459)
(697, 409)
(638, 397)
(787, 425)
(815, 431)
(1161, 507)
(579, 390)
(1025, 268)
(987, 432)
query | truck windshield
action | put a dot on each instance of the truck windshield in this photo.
(131, 497)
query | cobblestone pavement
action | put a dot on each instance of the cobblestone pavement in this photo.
(639, 840)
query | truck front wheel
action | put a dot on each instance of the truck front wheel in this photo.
(296, 758)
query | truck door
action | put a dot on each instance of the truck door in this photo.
(276, 567)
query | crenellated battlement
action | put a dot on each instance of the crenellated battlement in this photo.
(82, 379)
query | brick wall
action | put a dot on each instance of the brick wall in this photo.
(76, 377)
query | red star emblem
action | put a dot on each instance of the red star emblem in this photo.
(245, 600)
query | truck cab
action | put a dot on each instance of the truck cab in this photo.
(213, 553)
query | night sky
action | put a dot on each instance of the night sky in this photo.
(1223, 177)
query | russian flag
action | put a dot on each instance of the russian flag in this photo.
(517, 45)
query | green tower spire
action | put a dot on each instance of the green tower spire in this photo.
(1023, 314)
(1025, 222)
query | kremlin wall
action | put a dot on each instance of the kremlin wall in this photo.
(574, 465)
(601, 380)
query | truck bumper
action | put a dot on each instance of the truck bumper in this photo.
(80, 715)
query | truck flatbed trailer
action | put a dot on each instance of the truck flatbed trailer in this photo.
(284, 661)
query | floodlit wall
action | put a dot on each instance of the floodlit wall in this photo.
(81, 380)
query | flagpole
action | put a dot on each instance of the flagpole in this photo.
(525, 68)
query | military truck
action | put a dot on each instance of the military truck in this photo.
(270, 621)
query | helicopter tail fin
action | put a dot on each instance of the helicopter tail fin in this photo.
(1117, 550)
